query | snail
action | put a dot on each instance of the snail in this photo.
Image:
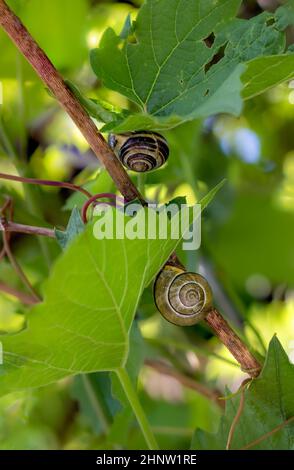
(140, 151)
(182, 298)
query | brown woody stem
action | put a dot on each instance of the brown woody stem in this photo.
(186, 381)
(59, 184)
(235, 345)
(17, 267)
(22, 296)
(7, 226)
(53, 80)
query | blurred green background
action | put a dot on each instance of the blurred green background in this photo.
(247, 248)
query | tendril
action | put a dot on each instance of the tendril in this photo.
(40, 182)
(94, 200)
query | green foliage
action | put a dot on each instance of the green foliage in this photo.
(74, 227)
(268, 403)
(90, 302)
(265, 72)
(175, 70)
(98, 328)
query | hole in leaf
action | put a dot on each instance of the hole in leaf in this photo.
(270, 21)
(215, 59)
(209, 40)
(206, 93)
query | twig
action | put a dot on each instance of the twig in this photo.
(7, 226)
(17, 267)
(268, 434)
(59, 184)
(200, 350)
(22, 296)
(185, 381)
(94, 199)
(239, 350)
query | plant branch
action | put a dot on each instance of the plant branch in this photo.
(186, 381)
(22, 296)
(17, 267)
(237, 416)
(8, 226)
(198, 350)
(231, 340)
(59, 184)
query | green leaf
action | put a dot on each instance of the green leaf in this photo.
(206, 200)
(101, 396)
(89, 303)
(285, 15)
(127, 28)
(265, 72)
(74, 227)
(93, 392)
(99, 110)
(269, 402)
(172, 73)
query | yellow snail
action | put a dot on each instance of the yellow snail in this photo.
(182, 298)
(140, 151)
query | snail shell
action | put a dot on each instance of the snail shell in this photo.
(181, 297)
(140, 151)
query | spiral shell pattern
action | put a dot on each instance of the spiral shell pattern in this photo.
(181, 297)
(140, 151)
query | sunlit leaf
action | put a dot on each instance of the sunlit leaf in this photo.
(90, 301)
(269, 402)
(187, 61)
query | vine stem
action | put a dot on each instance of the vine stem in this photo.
(237, 416)
(17, 268)
(268, 434)
(55, 83)
(22, 296)
(239, 350)
(198, 350)
(137, 408)
(8, 226)
(59, 184)
(186, 381)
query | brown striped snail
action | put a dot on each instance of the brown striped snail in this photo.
(140, 151)
(181, 297)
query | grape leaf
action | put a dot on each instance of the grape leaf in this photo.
(89, 304)
(187, 60)
(269, 402)
(74, 227)
(265, 72)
